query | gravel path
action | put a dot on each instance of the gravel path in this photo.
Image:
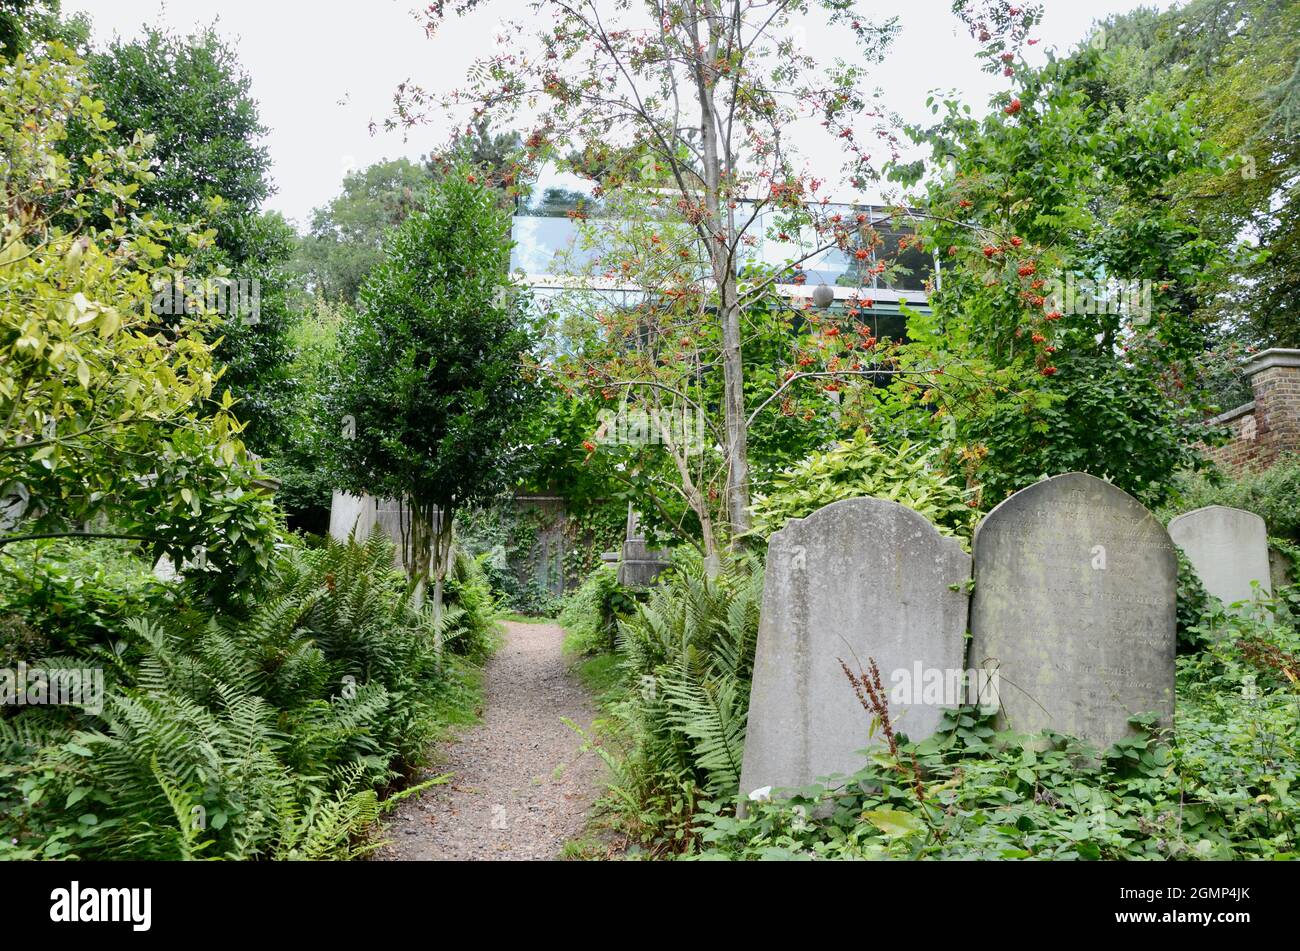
(521, 786)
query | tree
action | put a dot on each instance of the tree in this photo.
(494, 154)
(110, 422)
(650, 363)
(430, 392)
(28, 24)
(1236, 66)
(346, 238)
(347, 235)
(209, 163)
(693, 98)
(192, 94)
(302, 462)
(1069, 320)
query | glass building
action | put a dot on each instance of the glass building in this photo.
(549, 251)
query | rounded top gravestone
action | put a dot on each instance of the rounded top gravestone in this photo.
(1228, 548)
(858, 579)
(1074, 606)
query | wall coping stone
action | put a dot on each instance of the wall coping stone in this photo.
(1232, 414)
(1273, 357)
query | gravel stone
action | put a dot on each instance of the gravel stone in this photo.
(522, 786)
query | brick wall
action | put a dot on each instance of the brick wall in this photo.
(1269, 424)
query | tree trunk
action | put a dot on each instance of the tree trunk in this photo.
(734, 397)
(418, 550)
(442, 520)
(720, 246)
(427, 544)
(678, 452)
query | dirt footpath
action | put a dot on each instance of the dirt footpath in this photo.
(521, 787)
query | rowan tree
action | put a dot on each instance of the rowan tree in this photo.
(703, 103)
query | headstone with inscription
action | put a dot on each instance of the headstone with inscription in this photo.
(1228, 548)
(857, 580)
(1074, 606)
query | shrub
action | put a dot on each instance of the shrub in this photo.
(590, 614)
(507, 539)
(856, 467)
(77, 593)
(679, 725)
(469, 619)
(260, 735)
(1193, 605)
(1270, 493)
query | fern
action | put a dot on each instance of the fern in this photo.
(258, 735)
(688, 654)
(712, 715)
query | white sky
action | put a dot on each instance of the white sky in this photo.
(321, 71)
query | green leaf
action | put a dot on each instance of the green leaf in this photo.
(893, 822)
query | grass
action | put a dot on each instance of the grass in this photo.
(591, 847)
(600, 674)
(461, 703)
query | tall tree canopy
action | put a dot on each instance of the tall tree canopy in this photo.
(1235, 64)
(193, 96)
(346, 237)
(430, 396)
(1070, 312)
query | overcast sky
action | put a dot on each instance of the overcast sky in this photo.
(321, 71)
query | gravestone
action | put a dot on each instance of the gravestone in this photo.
(1227, 547)
(639, 565)
(1074, 606)
(365, 514)
(858, 579)
(349, 512)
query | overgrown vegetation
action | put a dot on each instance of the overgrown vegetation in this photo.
(266, 733)
(904, 473)
(591, 614)
(264, 704)
(676, 726)
(1221, 785)
(1270, 493)
(109, 412)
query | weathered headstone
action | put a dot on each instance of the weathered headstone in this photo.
(1227, 547)
(365, 514)
(858, 579)
(351, 512)
(1074, 605)
(639, 565)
